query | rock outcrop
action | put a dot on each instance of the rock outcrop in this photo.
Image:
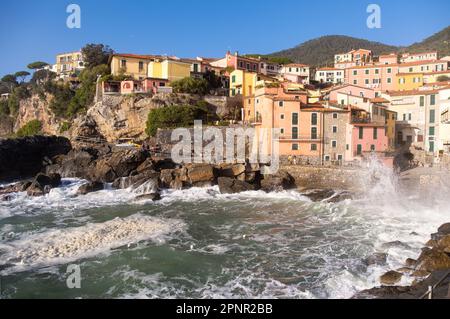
(229, 185)
(24, 157)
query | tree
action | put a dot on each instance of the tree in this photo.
(443, 78)
(38, 65)
(96, 54)
(174, 116)
(33, 127)
(22, 75)
(10, 81)
(42, 76)
(191, 86)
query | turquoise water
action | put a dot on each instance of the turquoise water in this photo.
(198, 243)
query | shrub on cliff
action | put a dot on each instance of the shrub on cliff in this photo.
(33, 127)
(191, 86)
(4, 108)
(174, 116)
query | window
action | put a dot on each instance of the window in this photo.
(358, 149)
(233, 92)
(431, 149)
(366, 81)
(295, 133)
(389, 70)
(355, 72)
(422, 101)
(375, 133)
(295, 147)
(432, 99)
(340, 158)
(280, 103)
(313, 118)
(389, 80)
(347, 147)
(314, 133)
(432, 116)
(327, 158)
(282, 116)
(377, 71)
(123, 64)
(410, 70)
(294, 118)
(313, 147)
(355, 82)
(367, 71)
(333, 144)
(431, 131)
(372, 148)
(335, 115)
(361, 133)
(282, 130)
(334, 129)
(248, 66)
(409, 117)
(233, 79)
(141, 66)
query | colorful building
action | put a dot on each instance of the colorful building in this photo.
(169, 69)
(391, 119)
(368, 138)
(376, 77)
(408, 81)
(387, 59)
(69, 63)
(132, 65)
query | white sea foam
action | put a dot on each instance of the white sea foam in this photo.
(61, 246)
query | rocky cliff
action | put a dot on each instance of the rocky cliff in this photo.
(37, 108)
(125, 116)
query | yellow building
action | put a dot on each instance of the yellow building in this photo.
(169, 69)
(391, 118)
(408, 81)
(433, 77)
(246, 83)
(69, 63)
(131, 64)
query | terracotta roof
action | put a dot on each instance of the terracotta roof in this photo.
(397, 64)
(369, 124)
(300, 65)
(412, 92)
(412, 73)
(379, 100)
(329, 69)
(137, 56)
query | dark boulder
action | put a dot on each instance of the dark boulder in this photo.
(42, 184)
(153, 196)
(376, 259)
(229, 185)
(90, 188)
(278, 182)
(391, 278)
(119, 164)
(320, 195)
(24, 157)
(433, 259)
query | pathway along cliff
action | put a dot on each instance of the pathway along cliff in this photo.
(141, 227)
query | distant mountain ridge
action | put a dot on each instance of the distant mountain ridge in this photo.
(320, 51)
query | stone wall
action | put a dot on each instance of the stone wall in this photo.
(316, 177)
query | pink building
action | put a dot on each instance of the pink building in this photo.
(376, 77)
(242, 63)
(368, 138)
(388, 59)
(354, 90)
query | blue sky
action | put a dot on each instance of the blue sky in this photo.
(36, 30)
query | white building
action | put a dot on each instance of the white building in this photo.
(425, 56)
(296, 72)
(330, 75)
